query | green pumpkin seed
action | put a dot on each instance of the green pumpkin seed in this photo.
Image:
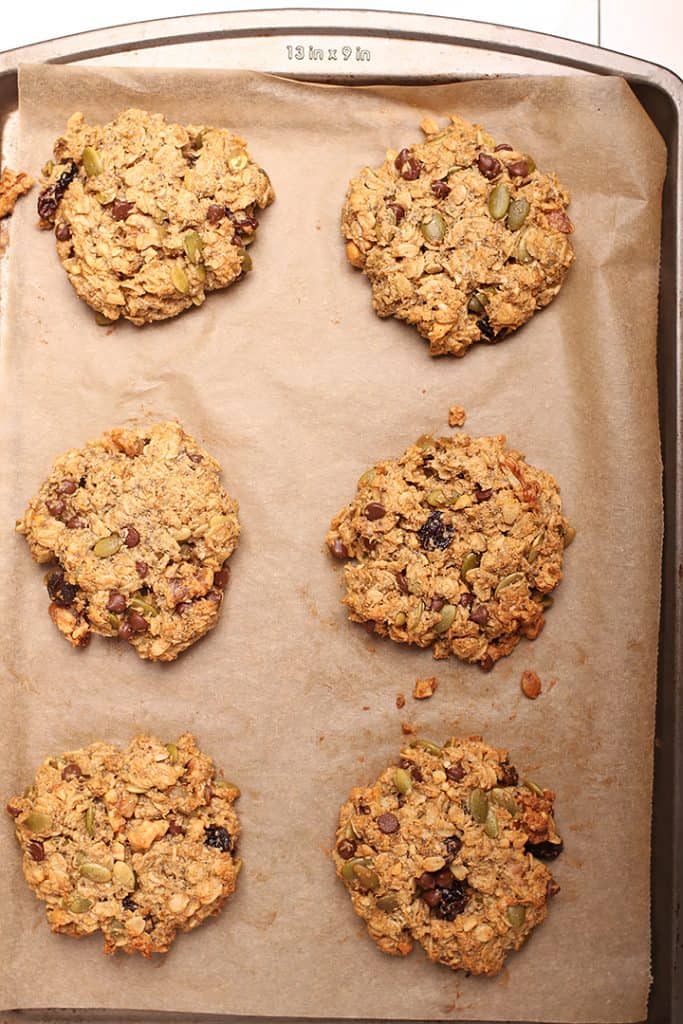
(518, 213)
(200, 271)
(107, 546)
(546, 601)
(95, 872)
(89, 821)
(425, 441)
(479, 805)
(179, 279)
(37, 822)
(91, 162)
(173, 754)
(502, 798)
(522, 254)
(388, 903)
(433, 228)
(113, 620)
(508, 581)
(415, 616)
(491, 824)
(499, 201)
(469, 562)
(76, 904)
(530, 162)
(367, 477)
(366, 877)
(516, 915)
(247, 262)
(478, 303)
(103, 321)
(436, 498)
(348, 866)
(533, 787)
(428, 746)
(192, 244)
(535, 547)
(569, 535)
(138, 604)
(446, 620)
(403, 781)
(106, 197)
(238, 162)
(400, 619)
(124, 875)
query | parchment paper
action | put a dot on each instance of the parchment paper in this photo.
(297, 388)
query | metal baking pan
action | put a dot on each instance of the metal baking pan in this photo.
(362, 47)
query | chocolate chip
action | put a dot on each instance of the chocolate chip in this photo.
(453, 901)
(509, 774)
(174, 829)
(142, 569)
(437, 604)
(466, 600)
(36, 850)
(13, 812)
(67, 487)
(374, 511)
(218, 838)
(71, 771)
(388, 823)
(455, 772)
(398, 211)
(488, 166)
(432, 898)
(483, 494)
(116, 603)
(502, 145)
(338, 549)
(222, 578)
(426, 881)
(48, 203)
(195, 457)
(125, 631)
(407, 166)
(137, 622)
(120, 209)
(76, 523)
(346, 848)
(453, 846)
(480, 615)
(486, 663)
(62, 232)
(56, 508)
(434, 533)
(131, 537)
(402, 582)
(61, 592)
(518, 169)
(545, 850)
(215, 213)
(128, 903)
(440, 189)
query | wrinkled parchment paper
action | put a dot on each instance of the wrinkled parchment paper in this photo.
(294, 384)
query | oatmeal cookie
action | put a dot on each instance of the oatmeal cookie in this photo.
(137, 843)
(459, 236)
(13, 185)
(458, 544)
(150, 216)
(444, 849)
(140, 528)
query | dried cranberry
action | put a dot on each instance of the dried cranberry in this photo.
(338, 549)
(486, 663)
(217, 837)
(388, 823)
(480, 615)
(402, 582)
(222, 578)
(432, 898)
(71, 771)
(36, 850)
(128, 903)
(374, 511)
(215, 213)
(120, 209)
(346, 848)
(195, 457)
(444, 879)
(407, 166)
(509, 775)
(455, 772)
(116, 603)
(174, 829)
(435, 533)
(488, 166)
(551, 889)
(440, 189)
(60, 591)
(14, 812)
(62, 232)
(453, 901)
(397, 210)
(545, 850)
(131, 538)
(453, 845)
(425, 881)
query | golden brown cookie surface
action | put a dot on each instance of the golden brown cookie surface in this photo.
(445, 849)
(455, 544)
(136, 843)
(458, 236)
(151, 216)
(140, 527)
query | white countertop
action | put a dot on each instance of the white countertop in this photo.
(652, 30)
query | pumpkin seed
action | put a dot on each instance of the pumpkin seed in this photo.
(91, 162)
(425, 441)
(95, 872)
(478, 303)
(89, 821)
(247, 262)
(522, 254)
(502, 798)
(400, 619)
(499, 201)
(446, 620)
(48, 168)
(106, 197)
(179, 279)
(107, 546)
(516, 915)
(366, 877)
(469, 562)
(238, 162)
(192, 244)
(508, 581)
(546, 601)
(479, 805)
(491, 823)
(367, 477)
(124, 875)
(37, 822)
(530, 162)
(201, 274)
(138, 604)
(113, 620)
(436, 497)
(76, 904)
(403, 781)
(388, 903)
(415, 615)
(569, 535)
(433, 228)
(172, 753)
(431, 748)
(103, 321)
(533, 787)
(348, 866)
(535, 547)
(518, 213)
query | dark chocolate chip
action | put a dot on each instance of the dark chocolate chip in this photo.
(388, 823)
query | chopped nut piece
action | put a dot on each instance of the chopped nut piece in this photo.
(531, 684)
(400, 700)
(456, 416)
(425, 688)
(13, 185)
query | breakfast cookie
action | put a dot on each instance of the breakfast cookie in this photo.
(459, 236)
(444, 849)
(150, 216)
(140, 527)
(137, 843)
(457, 543)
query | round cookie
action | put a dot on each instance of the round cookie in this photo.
(444, 849)
(141, 527)
(136, 843)
(456, 544)
(459, 236)
(151, 216)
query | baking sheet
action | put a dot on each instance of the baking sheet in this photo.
(297, 387)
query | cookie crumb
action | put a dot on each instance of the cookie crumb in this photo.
(531, 684)
(456, 416)
(400, 700)
(408, 729)
(425, 688)
(13, 185)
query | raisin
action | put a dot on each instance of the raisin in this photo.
(488, 333)
(215, 213)
(545, 850)
(245, 225)
(129, 904)
(61, 592)
(218, 837)
(435, 533)
(455, 773)
(120, 209)
(50, 198)
(483, 493)
(36, 850)
(453, 845)
(509, 775)
(452, 901)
